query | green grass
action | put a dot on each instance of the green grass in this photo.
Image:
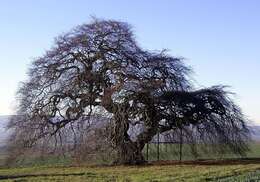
(126, 174)
(247, 177)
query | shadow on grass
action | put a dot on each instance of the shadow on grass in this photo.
(247, 177)
(5, 177)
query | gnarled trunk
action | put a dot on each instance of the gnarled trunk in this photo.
(128, 151)
(129, 154)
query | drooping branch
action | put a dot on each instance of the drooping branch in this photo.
(98, 68)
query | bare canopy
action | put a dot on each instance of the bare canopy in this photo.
(99, 68)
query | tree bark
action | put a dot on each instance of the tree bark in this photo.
(130, 154)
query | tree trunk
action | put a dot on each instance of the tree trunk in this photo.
(129, 154)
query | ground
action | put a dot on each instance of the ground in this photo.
(231, 170)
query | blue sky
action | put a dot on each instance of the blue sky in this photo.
(220, 39)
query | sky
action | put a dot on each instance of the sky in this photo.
(220, 39)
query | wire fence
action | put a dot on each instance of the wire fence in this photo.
(162, 149)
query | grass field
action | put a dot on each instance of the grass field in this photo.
(53, 169)
(158, 172)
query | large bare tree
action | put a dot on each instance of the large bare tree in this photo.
(98, 68)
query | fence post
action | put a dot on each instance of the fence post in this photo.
(147, 151)
(158, 146)
(180, 144)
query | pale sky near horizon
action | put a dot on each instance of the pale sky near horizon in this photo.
(220, 39)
